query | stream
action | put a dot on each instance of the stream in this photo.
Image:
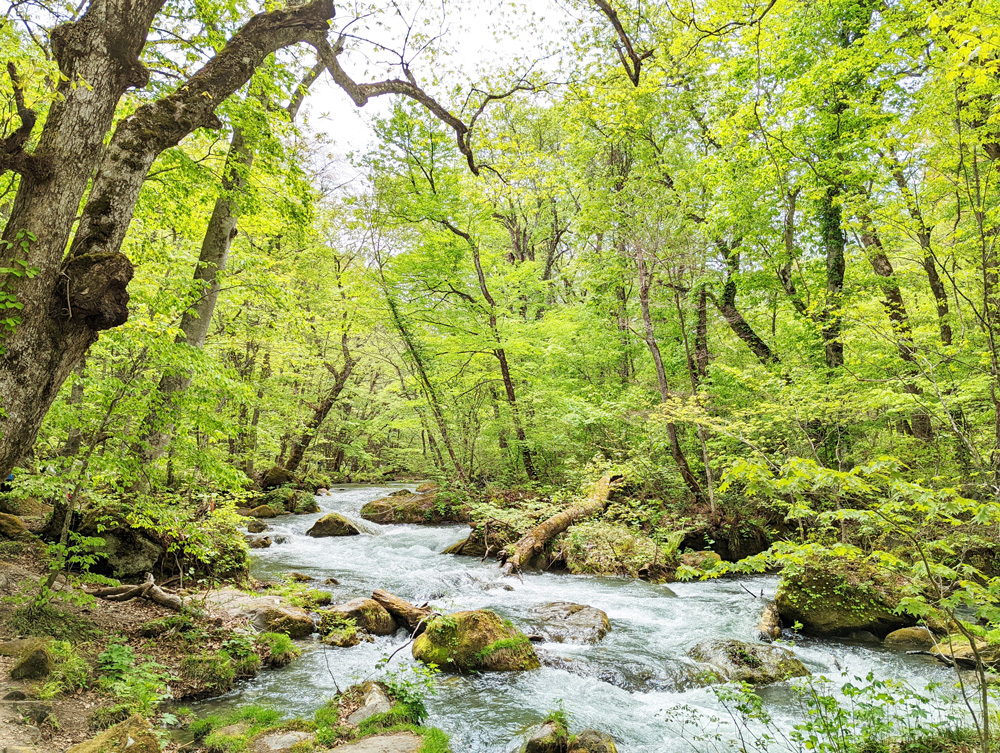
(633, 684)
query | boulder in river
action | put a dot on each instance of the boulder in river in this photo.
(566, 622)
(911, 637)
(258, 542)
(406, 507)
(292, 621)
(705, 560)
(550, 736)
(838, 597)
(257, 526)
(375, 700)
(367, 614)
(263, 511)
(332, 524)
(754, 663)
(592, 741)
(474, 640)
(769, 624)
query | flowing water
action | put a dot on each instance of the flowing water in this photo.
(634, 684)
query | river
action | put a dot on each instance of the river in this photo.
(633, 684)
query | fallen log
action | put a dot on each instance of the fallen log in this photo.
(414, 617)
(534, 541)
(147, 590)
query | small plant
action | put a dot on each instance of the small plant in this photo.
(279, 649)
(70, 671)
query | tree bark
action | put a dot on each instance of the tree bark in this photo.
(726, 303)
(534, 541)
(70, 300)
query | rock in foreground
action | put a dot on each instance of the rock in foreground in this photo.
(332, 524)
(474, 641)
(367, 614)
(754, 663)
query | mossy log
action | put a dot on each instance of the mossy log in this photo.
(534, 541)
(414, 617)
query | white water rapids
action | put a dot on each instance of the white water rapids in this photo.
(632, 685)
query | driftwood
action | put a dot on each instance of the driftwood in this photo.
(414, 617)
(534, 541)
(148, 590)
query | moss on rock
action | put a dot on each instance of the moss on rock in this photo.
(11, 527)
(134, 735)
(367, 614)
(406, 507)
(754, 663)
(840, 596)
(332, 524)
(474, 641)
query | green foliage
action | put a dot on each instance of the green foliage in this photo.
(45, 620)
(279, 649)
(70, 670)
(139, 683)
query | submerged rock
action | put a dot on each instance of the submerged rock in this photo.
(566, 622)
(134, 735)
(332, 524)
(367, 614)
(754, 663)
(474, 640)
(838, 597)
(258, 542)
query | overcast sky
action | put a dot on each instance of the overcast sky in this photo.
(476, 38)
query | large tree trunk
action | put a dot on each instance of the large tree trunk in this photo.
(534, 541)
(70, 300)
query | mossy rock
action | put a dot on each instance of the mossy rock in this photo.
(367, 614)
(592, 741)
(754, 663)
(837, 597)
(276, 476)
(406, 507)
(134, 735)
(551, 736)
(700, 560)
(332, 524)
(474, 641)
(11, 527)
(35, 661)
(911, 637)
(292, 621)
(291, 500)
(263, 511)
(257, 526)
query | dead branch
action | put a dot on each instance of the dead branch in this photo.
(147, 590)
